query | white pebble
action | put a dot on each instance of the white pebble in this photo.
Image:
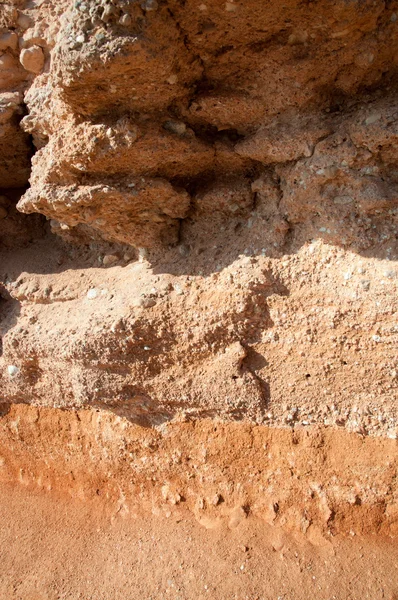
(91, 294)
(12, 370)
(389, 274)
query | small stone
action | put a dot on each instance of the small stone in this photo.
(216, 500)
(12, 370)
(182, 249)
(118, 325)
(177, 127)
(172, 80)
(24, 22)
(347, 276)
(108, 13)
(80, 39)
(230, 7)
(298, 37)
(9, 40)
(365, 284)
(376, 338)
(142, 254)
(110, 259)
(146, 302)
(389, 274)
(92, 293)
(373, 119)
(149, 5)
(32, 59)
(170, 496)
(178, 289)
(125, 20)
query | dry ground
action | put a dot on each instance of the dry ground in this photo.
(50, 549)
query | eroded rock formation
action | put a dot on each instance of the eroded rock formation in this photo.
(221, 184)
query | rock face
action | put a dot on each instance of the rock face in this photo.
(222, 182)
(184, 95)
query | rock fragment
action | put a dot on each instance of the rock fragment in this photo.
(32, 59)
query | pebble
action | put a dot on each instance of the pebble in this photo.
(145, 302)
(216, 500)
(149, 5)
(125, 20)
(389, 274)
(178, 289)
(12, 370)
(177, 127)
(3, 212)
(24, 21)
(118, 325)
(365, 284)
(230, 7)
(92, 293)
(32, 59)
(142, 254)
(9, 40)
(373, 119)
(182, 248)
(108, 13)
(109, 259)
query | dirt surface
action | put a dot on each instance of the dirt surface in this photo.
(52, 550)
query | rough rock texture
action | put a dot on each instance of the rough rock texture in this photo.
(250, 154)
(220, 181)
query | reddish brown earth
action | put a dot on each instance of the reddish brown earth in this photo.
(198, 299)
(52, 549)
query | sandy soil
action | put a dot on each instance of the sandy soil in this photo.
(52, 550)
